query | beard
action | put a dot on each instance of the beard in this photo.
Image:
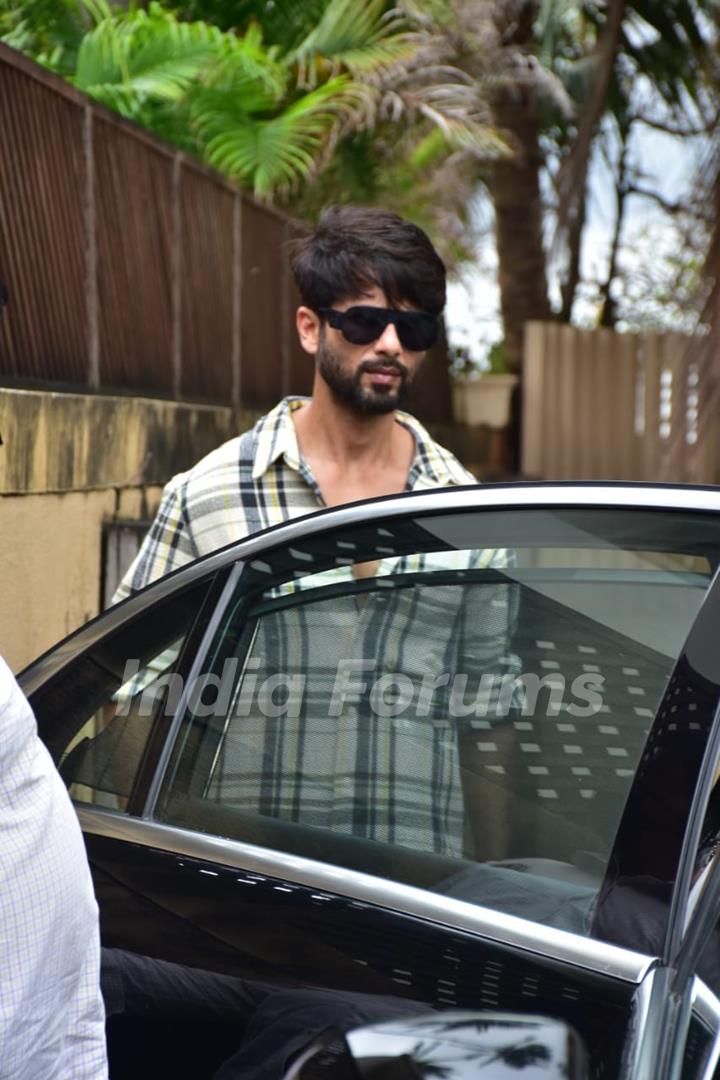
(347, 386)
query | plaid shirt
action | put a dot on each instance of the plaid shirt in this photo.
(388, 780)
(344, 717)
(52, 1021)
(251, 482)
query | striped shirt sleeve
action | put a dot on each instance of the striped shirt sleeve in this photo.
(168, 545)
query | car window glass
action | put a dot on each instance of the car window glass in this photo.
(698, 1046)
(100, 764)
(98, 714)
(705, 863)
(464, 717)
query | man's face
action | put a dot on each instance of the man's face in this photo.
(371, 379)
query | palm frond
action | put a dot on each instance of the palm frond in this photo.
(284, 22)
(445, 136)
(447, 104)
(100, 57)
(16, 31)
(356, 35)
(143, 55)
(247, 69)
(270, 153)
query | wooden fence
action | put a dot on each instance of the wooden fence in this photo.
(599, 405)
(133, 268)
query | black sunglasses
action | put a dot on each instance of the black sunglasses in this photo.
(360, 325)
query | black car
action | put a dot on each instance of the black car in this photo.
(450, 750)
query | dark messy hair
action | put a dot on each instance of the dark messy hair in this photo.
(354, 248)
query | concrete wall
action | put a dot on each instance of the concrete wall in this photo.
(70, 464)
(51, 563)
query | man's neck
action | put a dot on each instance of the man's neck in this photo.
(332, 432)
(352, 457)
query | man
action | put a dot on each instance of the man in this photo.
(372, 288)
(51, 1011)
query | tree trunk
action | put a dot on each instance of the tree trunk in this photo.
(569, 287)
(515, 190)
(608, 310)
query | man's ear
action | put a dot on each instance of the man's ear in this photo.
(308, 328)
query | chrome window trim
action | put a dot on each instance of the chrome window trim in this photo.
(700, 927)
(659, 1027)
(210, 632)
(713, 1059)
(584, 953)
(706, 1004)
(636, 1042)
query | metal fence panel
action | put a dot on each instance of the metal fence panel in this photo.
(134, 268)
(207, 282)
(265, 370)
(42, 332)
(133, 198)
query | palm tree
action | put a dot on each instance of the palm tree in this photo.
(413, 121)
(552, 71)
(269, 113)
(558, 69)
(229, 97)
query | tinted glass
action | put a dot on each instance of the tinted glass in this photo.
(458, 701)
(97, 715)
(697, 1049)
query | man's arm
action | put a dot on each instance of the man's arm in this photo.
(487, 629)
(168, 545)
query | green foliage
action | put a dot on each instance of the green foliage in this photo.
(129, 61)
(497, 359)
(304, 100)
(268, 152)
(375, 101)
(285, 22)
(358, 37)
(263, 114)
(48, 30)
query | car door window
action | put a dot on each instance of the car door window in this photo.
(98, 714)
(702, 1034)
(458, 702)
(701, 904)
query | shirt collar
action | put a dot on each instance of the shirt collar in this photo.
(432, 465)
(275, 437)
